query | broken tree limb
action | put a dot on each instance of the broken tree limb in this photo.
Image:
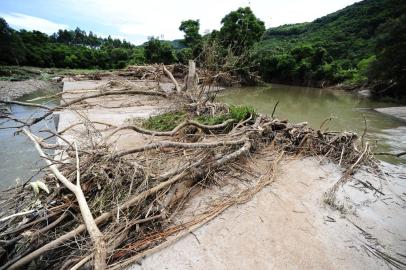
(175, 130)
(94, 232)
(130, 202)
(170, 76)
(170, 144)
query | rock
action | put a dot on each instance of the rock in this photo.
(364, 93)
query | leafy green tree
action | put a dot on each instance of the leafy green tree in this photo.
(388, 72)
(240, 30)
(157, 51)
(11, 46)
(191, 30)
(184, 55)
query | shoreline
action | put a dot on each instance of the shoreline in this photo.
(13, 90)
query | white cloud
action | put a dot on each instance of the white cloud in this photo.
(135, 19)
(23, 21)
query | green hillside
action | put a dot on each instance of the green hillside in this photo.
(335, 48)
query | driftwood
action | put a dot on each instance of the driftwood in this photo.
(176, 129)
(169, 74)
(95, 234)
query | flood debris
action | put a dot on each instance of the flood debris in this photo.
(108, 208)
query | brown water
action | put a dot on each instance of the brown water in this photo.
(314, 105)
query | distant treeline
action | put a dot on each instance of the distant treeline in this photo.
(65, 49)
(363, 44)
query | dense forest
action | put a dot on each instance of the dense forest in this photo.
(363, 44)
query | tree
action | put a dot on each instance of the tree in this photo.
(12, 49)
(240, 30)
(388, 72)
(157, 51)
(191, 30)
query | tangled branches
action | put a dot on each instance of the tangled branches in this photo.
(133, 194)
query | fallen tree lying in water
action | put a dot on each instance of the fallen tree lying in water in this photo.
(127, 200)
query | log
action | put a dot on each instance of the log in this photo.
(170, 144)
(175, 130)
(169, 74)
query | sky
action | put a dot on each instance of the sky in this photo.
(136, 20)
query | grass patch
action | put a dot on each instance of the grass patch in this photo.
(168, 121)
(164, 122)
(241, 112)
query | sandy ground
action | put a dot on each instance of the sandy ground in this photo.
(397, 112)
(10, 90)
(288, 226)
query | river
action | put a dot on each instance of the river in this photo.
(315, 105)
(19, 160)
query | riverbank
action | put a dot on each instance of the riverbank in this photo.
(287, 225)
(12, 90)
(397, 112)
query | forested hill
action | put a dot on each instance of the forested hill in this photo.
(337, 47)
(349, 33)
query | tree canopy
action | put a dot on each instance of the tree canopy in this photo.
(240, 30)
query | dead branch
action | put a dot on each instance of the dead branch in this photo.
(175, 130)
(170, 76)
(170, 144)
(95, 234)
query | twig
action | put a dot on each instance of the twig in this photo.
(274, 108)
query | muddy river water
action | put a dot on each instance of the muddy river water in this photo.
(314, 105)
(19, 160)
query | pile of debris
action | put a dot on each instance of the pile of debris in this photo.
(107, 208)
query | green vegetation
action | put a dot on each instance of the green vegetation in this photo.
(241, 112)
(164, 122)
(362, 44)
(157, 51)
(240, 30)
(342, 47)
(169, 120)
(65, 49)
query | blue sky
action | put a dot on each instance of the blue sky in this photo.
(136, 20)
